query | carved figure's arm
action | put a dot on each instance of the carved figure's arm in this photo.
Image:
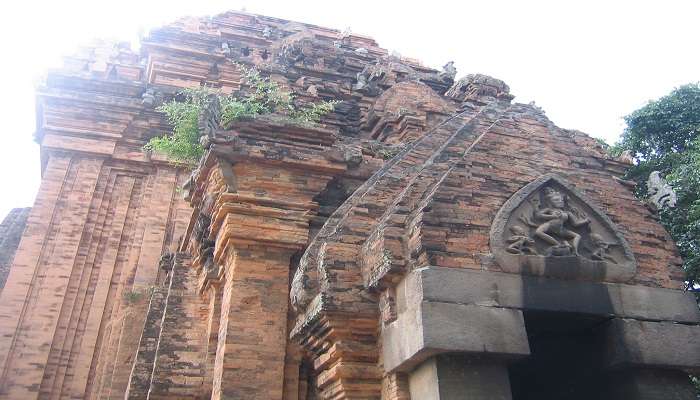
(527, 221)
(577, 222)
(546, 213)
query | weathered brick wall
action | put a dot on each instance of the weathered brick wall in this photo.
(514, 150)
(253, 327)
(181, 353)
(142, 370)
(11, 230)
(434, 204)
(103, 215)
(77, 318)
(93, 238)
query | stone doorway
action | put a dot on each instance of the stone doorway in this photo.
(565, 360)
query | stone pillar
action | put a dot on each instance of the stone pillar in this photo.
(456, 377)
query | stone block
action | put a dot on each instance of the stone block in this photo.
(651, 384)
(433, 328)
(633, 343)
(496, 289)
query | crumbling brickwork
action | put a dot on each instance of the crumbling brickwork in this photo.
(336, 260)
(11, 230)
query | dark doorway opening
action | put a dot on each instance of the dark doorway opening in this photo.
(565, 358)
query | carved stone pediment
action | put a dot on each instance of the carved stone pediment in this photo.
(548, 228)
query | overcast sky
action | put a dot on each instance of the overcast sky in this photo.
(587, 63)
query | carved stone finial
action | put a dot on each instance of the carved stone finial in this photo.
(449, 72)
(626, 157)
(206, 254)
(201, 227)
(209, 118)
(661, 194)
(367, 80)
(267, 32)
(166, 261)
(475, 86)
(300, 294)
(225, 49)
(150, 98)
(387, 306)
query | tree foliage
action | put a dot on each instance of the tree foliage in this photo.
(664, 136)
(263, 96)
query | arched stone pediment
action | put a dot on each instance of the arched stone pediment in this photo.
(548, 228)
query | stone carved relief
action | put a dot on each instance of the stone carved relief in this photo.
(548, 228)
(201, 231)
(448, 72)
(206, 254)
(201, 227)
(166, 261)
(208, 120)
(387, 306)
(661, 194)
(300, 292)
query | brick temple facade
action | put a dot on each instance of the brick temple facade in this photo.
(429, 239)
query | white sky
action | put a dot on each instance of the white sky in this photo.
(587, 63)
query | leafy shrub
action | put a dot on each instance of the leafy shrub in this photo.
(264, 97)
(183, 144)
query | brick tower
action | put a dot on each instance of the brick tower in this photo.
(429, 239)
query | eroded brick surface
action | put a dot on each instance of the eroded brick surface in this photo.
(290, 238)
(11, 230)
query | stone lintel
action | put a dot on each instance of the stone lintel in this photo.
(495, 289)
(431, 328)
(633, 343)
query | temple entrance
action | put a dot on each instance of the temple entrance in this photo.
(565, 358)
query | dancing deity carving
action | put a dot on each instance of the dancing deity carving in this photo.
(547, 228)
(556, 222)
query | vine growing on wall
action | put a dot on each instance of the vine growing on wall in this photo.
(264, 97)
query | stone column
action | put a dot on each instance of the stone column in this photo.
(456, 376)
